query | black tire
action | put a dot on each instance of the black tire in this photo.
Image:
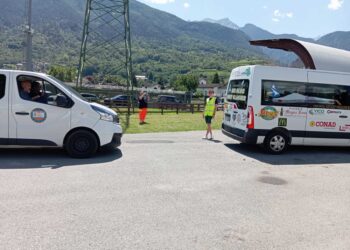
(81, 144)
(276, 143)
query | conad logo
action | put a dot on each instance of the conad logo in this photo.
(323, 124)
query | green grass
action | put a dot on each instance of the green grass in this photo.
(169, 122)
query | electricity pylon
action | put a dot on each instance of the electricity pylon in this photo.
(106, 42)
(28, 56)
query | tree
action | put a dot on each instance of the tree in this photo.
(134, 80)
(150, 76)
(216, 78)
(187, 82)
(66, 74)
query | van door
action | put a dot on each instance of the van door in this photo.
(236, 112)
(4, 108)
(328, 121)
(42, 117)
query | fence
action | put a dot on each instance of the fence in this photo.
(121, 107)
(185, 104)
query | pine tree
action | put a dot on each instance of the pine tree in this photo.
(216, 79)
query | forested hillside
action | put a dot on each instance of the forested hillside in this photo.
(163, 44)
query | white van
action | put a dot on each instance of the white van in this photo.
(277, 107)
(41, 111)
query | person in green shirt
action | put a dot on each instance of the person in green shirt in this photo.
(209, 112)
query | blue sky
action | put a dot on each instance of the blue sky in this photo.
(309, 18)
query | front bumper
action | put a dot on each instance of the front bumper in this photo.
(116, 141)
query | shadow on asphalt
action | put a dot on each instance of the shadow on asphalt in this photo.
(295, 155)
(51, 158)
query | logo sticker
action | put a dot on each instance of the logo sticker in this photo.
(268, 113)
(282, 122)
(247, 72)
(344, 128)
(323, 124)
(238, 118)
(38, 115)
(293, 112)
(316, 111)
(338, 112)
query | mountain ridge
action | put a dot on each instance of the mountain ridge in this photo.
(164, 45)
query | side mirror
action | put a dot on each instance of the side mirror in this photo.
(62, 101)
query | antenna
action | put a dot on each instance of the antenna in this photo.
(29, 36)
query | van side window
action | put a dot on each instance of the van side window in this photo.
(41, 91)
(281, 93)
(328, 96)
(2, 86)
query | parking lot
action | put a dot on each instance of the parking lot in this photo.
(175, 191)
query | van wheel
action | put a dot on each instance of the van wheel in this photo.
(81, 144)
(276, 143)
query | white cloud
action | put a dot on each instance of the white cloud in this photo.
(278, 15)
(186, 5)
(160, 1)
(265, 7)
(335, 4)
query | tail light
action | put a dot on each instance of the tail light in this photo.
(250, 124)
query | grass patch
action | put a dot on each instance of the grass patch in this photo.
(169, 122)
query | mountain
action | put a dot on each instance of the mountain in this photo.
(163, 44)
(224, 22)
(339, 39)
(256, 33)
(286, 58)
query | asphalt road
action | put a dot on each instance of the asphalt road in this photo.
(175, 191)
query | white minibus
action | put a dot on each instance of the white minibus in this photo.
(38, 110)
(277, 107)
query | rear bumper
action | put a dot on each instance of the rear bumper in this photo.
(248, 137)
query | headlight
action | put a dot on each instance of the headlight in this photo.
(105, 115)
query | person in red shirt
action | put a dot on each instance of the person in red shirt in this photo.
(143, 105)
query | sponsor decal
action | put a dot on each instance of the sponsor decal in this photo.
(247, 72)
(268, 113)
(338, 112)
(323, 124)
(344, 128)
(244, 120)
(38, 115)
(317, 111)
(282, 122)
(234, 117)
(323, 112)
(239, 118)
(293, 112)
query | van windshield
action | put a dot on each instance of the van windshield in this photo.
(237, 92)
(67, 87)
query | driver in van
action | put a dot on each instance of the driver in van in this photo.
(37, 94)
(24, 92)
